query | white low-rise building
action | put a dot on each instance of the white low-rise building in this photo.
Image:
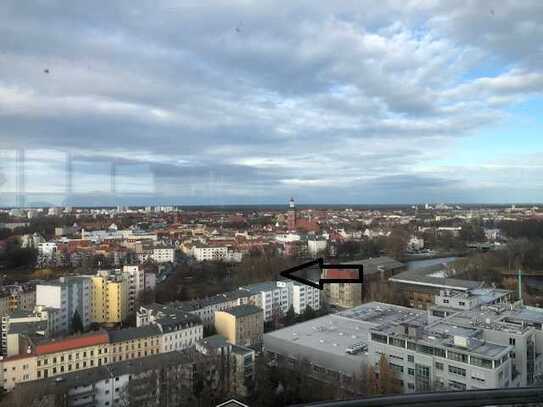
(163, 255)
(206, 253)
(316, 246)
(180, 330)
(304, 296)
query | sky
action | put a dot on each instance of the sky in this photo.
(252, 102)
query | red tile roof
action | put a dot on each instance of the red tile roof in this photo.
(73, 342)
(334, 273)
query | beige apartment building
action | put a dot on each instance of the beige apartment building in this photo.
(72, 354)
(109, 298)
(134, 343)
(17, 369)
(242, 325)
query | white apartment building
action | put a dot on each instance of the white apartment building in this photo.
(304, 296)
(315, 247)
(163, 255)
(136, 284)
(180, 330)
(204, 253)
(63, 298)
(47, 249)
(150, 281)
(276, 297)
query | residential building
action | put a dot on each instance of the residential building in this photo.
(47, 249)
(63, 298)
(316, 246)
(242, 325)
(136, 285)
(163, 255)
(304, 296)
(109, 297)
(134, 343)
(273, 297)
(19, 324)
(210, 253)
(164, 380)
(236, 363)
(57, 357)
(375, 271)
(17, 369)
(204, 308)
(17, 297)
(180, 330)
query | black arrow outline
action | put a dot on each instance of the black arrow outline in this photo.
(288, 273)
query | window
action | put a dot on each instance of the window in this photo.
(422, 378)
(454, 385)
(378, 338)
(457, 370)
(397, 368)
(459, 357)
(410, 371)
(425, 349)
(411, 358)
(397, 342)
(486, 363)
(439, 366)
(512, 341)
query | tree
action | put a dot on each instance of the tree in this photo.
(290, 316)
(385, 381)
(309, 313)
(77, 323)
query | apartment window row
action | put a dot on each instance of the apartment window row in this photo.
(457, 370)
(71, 356)
(430, 350)
(68, 368)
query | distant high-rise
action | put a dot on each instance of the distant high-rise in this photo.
(291, 216)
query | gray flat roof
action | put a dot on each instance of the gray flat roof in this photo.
(429, 277)
(126, 334)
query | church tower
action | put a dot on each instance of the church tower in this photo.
(291, 216)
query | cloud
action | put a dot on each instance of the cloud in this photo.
(316, 100)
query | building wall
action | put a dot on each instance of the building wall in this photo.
(210, 253)
(304, 296)
(422, 372)
(225, 325)
(243, 372)
(17, 370)
(163, 255)
(135, 348)
(73, 360)
(244, 330)
(66, 296)
(344, 295)
(109, 300)
(181, 339)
